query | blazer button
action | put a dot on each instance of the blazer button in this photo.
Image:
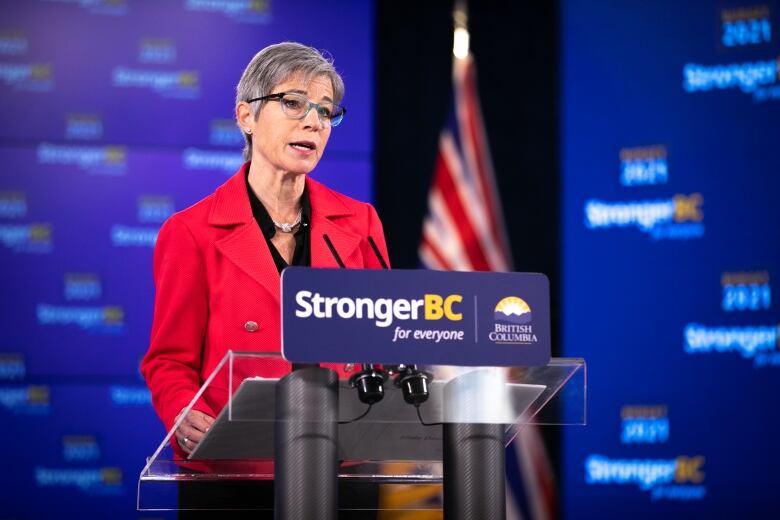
(251, 326)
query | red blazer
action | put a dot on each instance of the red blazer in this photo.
(214, 273)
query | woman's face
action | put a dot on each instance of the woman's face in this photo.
(291, 145)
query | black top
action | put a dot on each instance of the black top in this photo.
(302, 253)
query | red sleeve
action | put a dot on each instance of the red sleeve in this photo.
(172, 365)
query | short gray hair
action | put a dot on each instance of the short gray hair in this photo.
(276, 64)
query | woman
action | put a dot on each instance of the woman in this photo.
(217, 263)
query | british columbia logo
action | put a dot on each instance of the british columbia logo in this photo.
(513, 322)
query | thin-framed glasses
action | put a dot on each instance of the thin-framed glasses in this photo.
(297, 106)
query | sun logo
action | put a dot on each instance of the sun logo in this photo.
(512, 310)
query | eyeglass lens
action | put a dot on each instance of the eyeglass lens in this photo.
(297, 106)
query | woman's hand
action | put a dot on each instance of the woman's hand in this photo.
(192, 429)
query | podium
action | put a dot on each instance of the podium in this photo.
(308, 431)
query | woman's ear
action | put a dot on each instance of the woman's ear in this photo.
(244, 117)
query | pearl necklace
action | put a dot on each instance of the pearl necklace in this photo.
(286, 227)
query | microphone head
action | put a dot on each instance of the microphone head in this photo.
(370, 390)
(415, 388)
(370, 384)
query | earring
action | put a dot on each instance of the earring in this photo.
(248, 130)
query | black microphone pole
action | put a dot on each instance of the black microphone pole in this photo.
(376, 252)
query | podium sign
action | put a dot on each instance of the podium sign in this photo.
(415, 316)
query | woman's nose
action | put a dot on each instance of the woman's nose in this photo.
(312, 118)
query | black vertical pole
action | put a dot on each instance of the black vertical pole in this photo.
(474, 472)
(306, 438)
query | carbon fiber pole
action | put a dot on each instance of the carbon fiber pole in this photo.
(474, 472)
(305, 438)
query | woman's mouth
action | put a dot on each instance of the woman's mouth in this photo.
(305, 147)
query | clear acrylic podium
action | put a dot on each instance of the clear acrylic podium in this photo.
(393, 444)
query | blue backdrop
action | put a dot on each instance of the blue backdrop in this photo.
(113, 115)
(671, 120)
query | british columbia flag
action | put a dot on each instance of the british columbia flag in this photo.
(464, 231)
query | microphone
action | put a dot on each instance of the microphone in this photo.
(333, 251)
(412, 381)
(300, 366)
(369, 383)
(376, 252)
(336, 256)
(370, 380)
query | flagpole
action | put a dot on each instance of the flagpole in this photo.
(460, 21)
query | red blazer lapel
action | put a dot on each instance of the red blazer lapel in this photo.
(245, 245)
(326, 207)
